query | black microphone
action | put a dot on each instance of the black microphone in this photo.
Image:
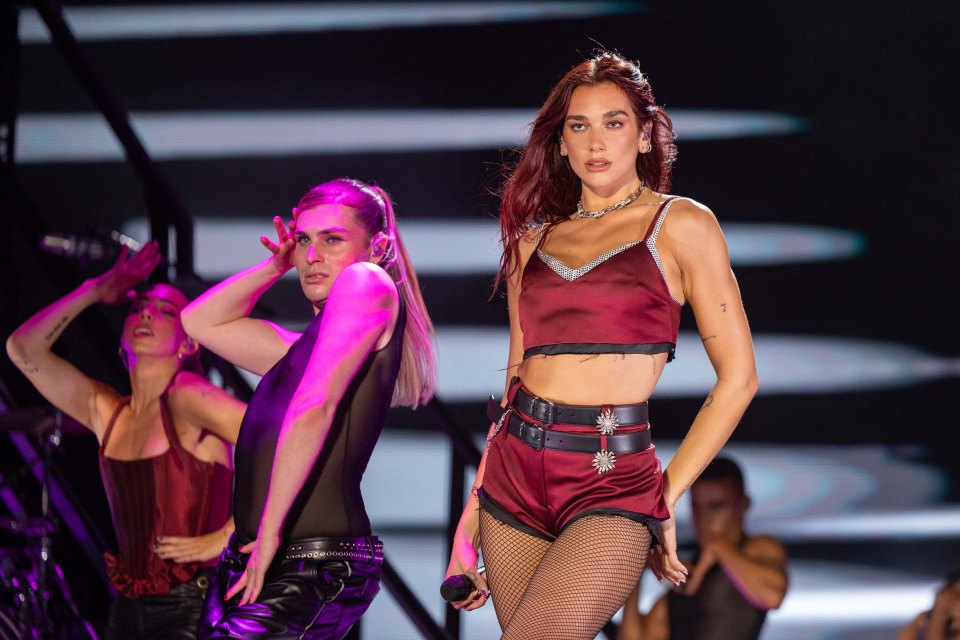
(87, 248)
(456, 588)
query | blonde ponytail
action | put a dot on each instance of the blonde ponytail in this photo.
(417, 379)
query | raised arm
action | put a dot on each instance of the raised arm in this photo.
(945, 616)
(219, 320)
(699, 253)
(360, 309)
(758, 570)
(30, 345)
(207, 406)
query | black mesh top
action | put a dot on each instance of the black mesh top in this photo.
(329, 504)
(717, 612)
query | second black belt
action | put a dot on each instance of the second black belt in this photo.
(540, 438)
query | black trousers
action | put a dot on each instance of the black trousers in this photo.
(309, 598)
(169, 616)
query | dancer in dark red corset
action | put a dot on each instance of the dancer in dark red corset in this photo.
(598, 261)
(164, 450)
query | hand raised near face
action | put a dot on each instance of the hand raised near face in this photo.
(282, 249)
(116, 285)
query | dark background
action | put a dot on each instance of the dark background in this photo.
(877, 83)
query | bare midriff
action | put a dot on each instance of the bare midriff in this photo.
(583, 379)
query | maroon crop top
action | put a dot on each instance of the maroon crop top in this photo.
(616, 303)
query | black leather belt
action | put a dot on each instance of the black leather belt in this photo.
(548, 413)
(540, 438)
(368, 548)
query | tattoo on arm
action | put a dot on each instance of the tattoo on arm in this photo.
(723, 306)
(708, 338)
(61, 323)
(27, 367)
(708, 401)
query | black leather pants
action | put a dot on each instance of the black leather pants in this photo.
(306, 598)
(170, 616)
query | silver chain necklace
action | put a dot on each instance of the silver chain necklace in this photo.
(599, 213)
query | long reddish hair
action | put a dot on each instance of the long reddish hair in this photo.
(418, 364)
(542, 187)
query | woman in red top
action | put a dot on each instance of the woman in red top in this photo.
(569, 498)
(164, 450)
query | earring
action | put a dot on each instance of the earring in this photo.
(563, 153)
(123, 357)
(647, 149)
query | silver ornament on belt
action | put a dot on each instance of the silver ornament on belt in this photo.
(607, 422)
(604, 461)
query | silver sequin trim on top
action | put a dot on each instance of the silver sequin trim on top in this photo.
(570, 275)
(652, 240)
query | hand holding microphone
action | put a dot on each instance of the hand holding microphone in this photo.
(457, 588)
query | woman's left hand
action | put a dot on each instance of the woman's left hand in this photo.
(262, 551)
(191, 548)
(116, 285)
(663, 559)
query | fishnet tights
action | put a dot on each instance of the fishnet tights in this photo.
(565, 590)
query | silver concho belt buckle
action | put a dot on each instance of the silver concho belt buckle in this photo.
(607, 423)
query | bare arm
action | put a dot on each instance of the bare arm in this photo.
(916, 627)
(219, 318)
(758, 570)
(654, 625)
(200, 548)
(466, 540)
(945, 616)
(709, 286)
(699, 253)
(362, 304)
(30, 345)
(207, 406)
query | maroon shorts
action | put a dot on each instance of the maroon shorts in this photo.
(541, 492)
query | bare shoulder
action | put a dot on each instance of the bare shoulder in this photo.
(693, 236)
(687, 218)
(528, 242)
(367, 280)
(102, 405)
(188, 382)
(189, 388)
(529, 238)
(765, 547)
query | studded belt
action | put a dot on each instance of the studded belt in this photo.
(548, 413)
(367, 548)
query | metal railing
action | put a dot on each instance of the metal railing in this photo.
(172, 226)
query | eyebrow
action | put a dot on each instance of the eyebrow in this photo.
(326, 231)
(608, 114)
